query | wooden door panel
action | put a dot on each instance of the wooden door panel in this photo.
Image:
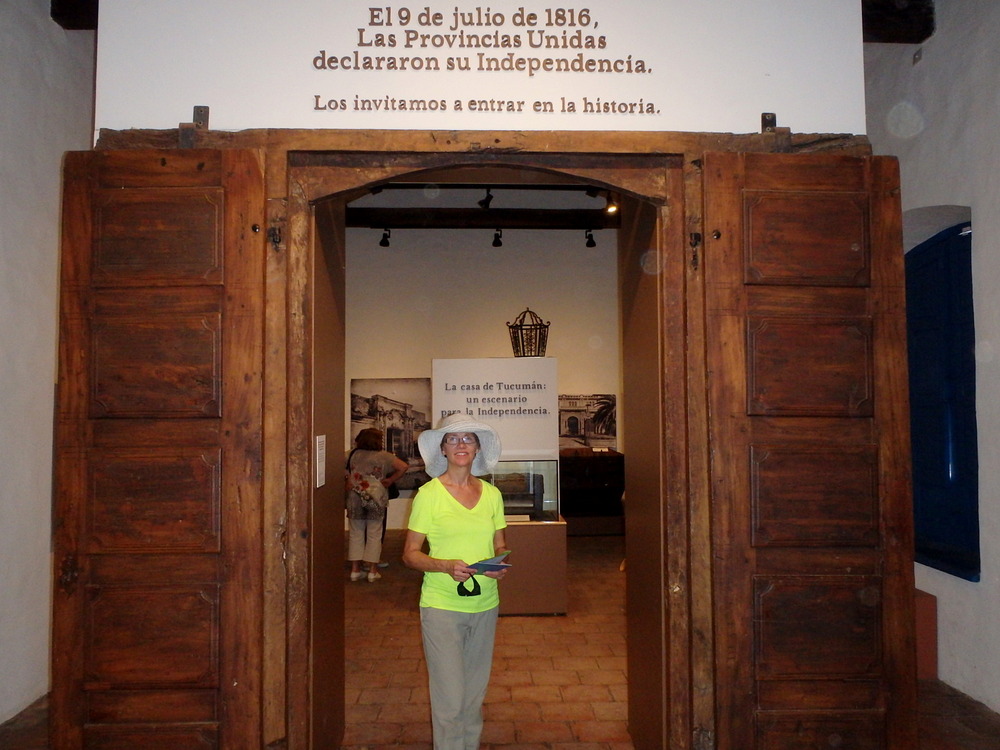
(148, 168)
(818, 695)
(795, 613)
(808, 495)
(782, 731)
(835, 354)
(149, 236)
(157, 499)
(191, 737)
(157, 605)
(150, 634)
(814, 238)
(803, 275)
(152, 706)
(168, 366)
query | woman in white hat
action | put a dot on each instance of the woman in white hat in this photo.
(461, 518)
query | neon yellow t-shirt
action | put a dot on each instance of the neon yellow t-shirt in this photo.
(455, 532)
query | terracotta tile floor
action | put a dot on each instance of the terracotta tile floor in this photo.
(558, 683)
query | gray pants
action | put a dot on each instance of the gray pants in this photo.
(458, 648)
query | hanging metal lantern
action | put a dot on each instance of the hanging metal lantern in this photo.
(528, 335)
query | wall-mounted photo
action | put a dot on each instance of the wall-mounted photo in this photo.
(399, 407)
(588, 421)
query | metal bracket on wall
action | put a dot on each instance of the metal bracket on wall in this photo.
(186, 130)
(768, 122)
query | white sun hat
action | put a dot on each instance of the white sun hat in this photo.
(429, 443)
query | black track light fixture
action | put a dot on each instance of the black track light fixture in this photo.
(591, 242)
(497, 238)
(487, 199)
(384, 242)
(612, 205)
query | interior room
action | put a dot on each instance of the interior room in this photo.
(434, 280)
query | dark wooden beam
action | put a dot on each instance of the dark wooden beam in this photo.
(897, 21)
(75, 15)
(480, 218)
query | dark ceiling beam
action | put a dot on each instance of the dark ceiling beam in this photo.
(480, 218)
(893, 21)
(897, 21)
(74, 15)
(557, 187)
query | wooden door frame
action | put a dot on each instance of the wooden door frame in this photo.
(316, 176)
(685, 710)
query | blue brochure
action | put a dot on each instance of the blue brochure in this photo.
(494, 563)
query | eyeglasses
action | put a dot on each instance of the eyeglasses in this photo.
(456, 439)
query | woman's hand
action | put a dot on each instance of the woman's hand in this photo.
(458, 570)
(499, 547)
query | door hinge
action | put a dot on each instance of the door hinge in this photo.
(274, 237)
(704, 739)
(694, 240)
(69, 571)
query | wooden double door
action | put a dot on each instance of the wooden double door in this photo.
(767, 505)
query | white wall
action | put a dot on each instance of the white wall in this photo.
(46, 110)
(940, 117)
(448, 294)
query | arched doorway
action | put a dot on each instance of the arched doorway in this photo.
(321, 190)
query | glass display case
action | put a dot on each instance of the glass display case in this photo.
(530, 488)
(536, 536)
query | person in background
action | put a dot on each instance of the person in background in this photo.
(461, 519)
(367, 502)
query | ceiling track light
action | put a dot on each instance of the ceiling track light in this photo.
(384, 242)
(497, 238)
(591, 242)
(612, 205)
(487, 199)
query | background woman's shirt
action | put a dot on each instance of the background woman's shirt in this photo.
(378, 464)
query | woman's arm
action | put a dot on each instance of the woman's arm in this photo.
(499, 546)
(415, 557)
(499, 542)
(399, 468)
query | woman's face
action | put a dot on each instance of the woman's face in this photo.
(460, 448)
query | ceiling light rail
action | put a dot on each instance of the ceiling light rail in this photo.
(477, 218)
(482, 215)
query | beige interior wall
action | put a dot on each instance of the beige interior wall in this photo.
(46, 110)
(449, 294)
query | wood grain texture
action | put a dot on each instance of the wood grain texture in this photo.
(803, 427)
(157, 613)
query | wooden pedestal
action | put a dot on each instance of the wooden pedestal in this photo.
(536, 584)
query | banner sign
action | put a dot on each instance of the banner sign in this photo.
(517, 397)
(711, 65)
